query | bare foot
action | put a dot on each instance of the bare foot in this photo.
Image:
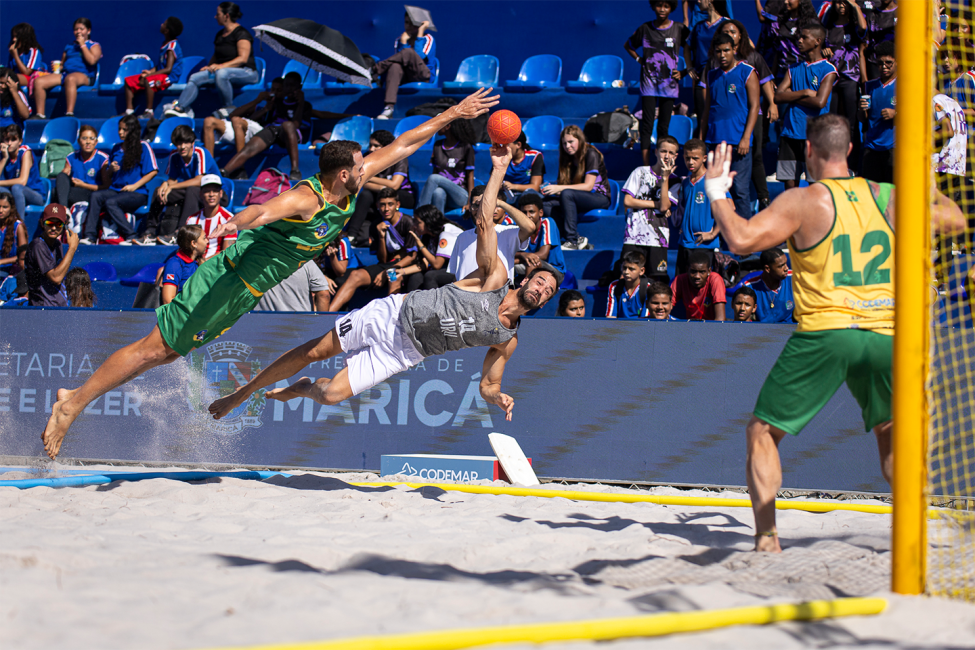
(225, 405)
(300, 388)
(58, 424)
(766, 544)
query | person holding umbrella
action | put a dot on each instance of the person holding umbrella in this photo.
(276, 239)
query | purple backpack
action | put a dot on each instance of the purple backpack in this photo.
(269, 184)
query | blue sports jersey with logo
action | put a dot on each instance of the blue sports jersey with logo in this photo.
(201, 162)
(773, 306)
(700, 41)
(879, 134)
(178, 269)
(547, 234)
(728, 113)
(805, 75)
(171, 46)
(12, 169)
(87, 170)
(9, 114)
(521, 173)
(124, 177)
(31, 59)
(696, 213)
(75, 62)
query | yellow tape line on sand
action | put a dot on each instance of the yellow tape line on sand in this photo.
(597, 629)
(577, 495)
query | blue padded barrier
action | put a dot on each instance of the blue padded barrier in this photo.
(109, 477)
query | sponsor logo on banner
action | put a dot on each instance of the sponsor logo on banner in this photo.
(218, 370)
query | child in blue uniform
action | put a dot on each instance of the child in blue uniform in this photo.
(79, 178)
(166, 72)
(184, 262)
(14, 108)
(698, 229)
(627, 296)
(79, 64)
(773, 289)
(878, 115)
(26, 54)
(20, 176)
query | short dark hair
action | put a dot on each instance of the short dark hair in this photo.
(659, 288)
(672, 3)
(182, 134)
(723, 39)
(695, 144)
(530, 198)
(698, 256)
(543, 269)
(745, 291)
(387, 193)
(232, 10)
(885, 48)
(293, 76)
(769, 257)
(337, 155)
(829, 134)
(383, 137)
(668, 139)
(277, 80)
(477, 191)
(522, 139)
(83, 21)
(635, 257)
(11, 129)
(187, 235)
(174, 26)
(816, 28)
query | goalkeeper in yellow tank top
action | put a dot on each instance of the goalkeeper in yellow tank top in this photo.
(276, 239)
(840, 232)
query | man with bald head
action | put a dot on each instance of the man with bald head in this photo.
(840, 232)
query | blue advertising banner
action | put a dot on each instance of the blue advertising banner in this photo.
(594, 399)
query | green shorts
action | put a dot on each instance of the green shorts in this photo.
(814, 365)
(212, 300)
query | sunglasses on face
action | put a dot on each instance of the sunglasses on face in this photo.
(53, 223)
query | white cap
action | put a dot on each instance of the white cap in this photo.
(211, 179)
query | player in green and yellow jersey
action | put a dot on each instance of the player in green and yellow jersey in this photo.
(840, 232)
(278, 237)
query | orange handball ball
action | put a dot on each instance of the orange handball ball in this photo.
(503, 127)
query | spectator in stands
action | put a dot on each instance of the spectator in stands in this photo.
(306, 289)
(183, 263)
(773, 289)
(179, 196)
(13, 291)
(14, 108)
(571, 305)
(13, 238)
(232, 63)
(693, 14)
(79, 65)
(161, 77)
(846, 31)
(511, 238)
(662, 41)
(958, 61)
(878, 116)
(77, 289)
(20, 176)
(583, 185)
(700, 290)
(130, 166)
(698, 230)
(453, 168)
(743, 304)
(951, 145)
(545, 246)
(731, 99)
(413, 50)
(212, 215)
(395, 249)
(660, 301)
(288, 125)
(779, 43)
(396, 177)
(46, 263)
(244, 122)
(650, 196)
(880, 28)
(337, 262)
(699, 45)
(80, 175)
(526, 170)
(627, 296)
(745, 52)
(804, 92)
(431, 230)
(26, 54)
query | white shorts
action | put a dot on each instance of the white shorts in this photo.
(376, 345)
(228, 131)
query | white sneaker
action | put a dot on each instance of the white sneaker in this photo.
(145, 241)
(387, 113)
(167, 106)
(223, 113)
(176, 111)
(86, 242)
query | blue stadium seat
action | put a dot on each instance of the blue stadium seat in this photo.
(412, 122)
(309, 78)
(261, 82)
(191, 64)
(543, 132)
(411, 88)
(146, 274)
(474, 72)
(60, 128)
(614, 203)
(569, 281)
(151, 187)
(357, 128)
(330, 86)
(34, 212)
(681, 127)
(127, 69)
(101, 271)
(165, 132)
(108, 134)
(598, 73)
(228, 189)
(537, 72)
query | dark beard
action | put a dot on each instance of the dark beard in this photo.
(352, 186)
(525, 301)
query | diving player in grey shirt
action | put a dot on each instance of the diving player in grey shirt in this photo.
(395, 333)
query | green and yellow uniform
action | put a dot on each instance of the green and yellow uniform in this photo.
(844, 295)
(231, 283)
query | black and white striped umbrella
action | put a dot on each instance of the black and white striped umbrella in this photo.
(317, 46)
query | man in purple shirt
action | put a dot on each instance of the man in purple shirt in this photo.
(46, 264)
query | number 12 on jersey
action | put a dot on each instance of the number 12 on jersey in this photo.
(872, 273)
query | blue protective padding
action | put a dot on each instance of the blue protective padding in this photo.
(109, 477)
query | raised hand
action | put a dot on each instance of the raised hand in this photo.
(500, 156)
(476, 104)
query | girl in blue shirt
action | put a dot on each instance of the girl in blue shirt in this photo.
(79, 64)
(81, 172)
(19, 176)
(26, 54)
(14, 108)
(13, 238)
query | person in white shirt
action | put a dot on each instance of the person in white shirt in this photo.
(953, 133)
(212, 215)
(463, 262)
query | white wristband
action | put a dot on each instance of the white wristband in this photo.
(715, 191)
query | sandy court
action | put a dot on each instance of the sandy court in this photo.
(230, 562)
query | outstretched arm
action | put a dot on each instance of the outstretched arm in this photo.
(492, 373)
(408, 143)
(487, 236)
(300, 202)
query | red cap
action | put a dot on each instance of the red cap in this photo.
(55, 211)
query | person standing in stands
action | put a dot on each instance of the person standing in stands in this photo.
(79, 66)
(773, 289)
(46, 263)
(698, 230)
(161, 77)
(583, 185)
(662, 40)
(527, 169)
(19, 176)
(14, 108)
(699, 45)
(846, 32)
(731, 99)
(413, 50)
(453, 168)
(232, 63)
(396, 177)
(781, 22)
(650, 195)
(878, 116)
(880, 28)
(80, 176)
(26, 54)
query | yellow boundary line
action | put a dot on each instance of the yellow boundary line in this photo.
(577, 495)
(597, 629)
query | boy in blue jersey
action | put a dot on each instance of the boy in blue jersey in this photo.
(804, 92)
(698, 229)
(526, 170)
(184, 262)
(877, 113)
(627, 296)
(773, 289)
(731, 98)
(161, 77)
(545, 246)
